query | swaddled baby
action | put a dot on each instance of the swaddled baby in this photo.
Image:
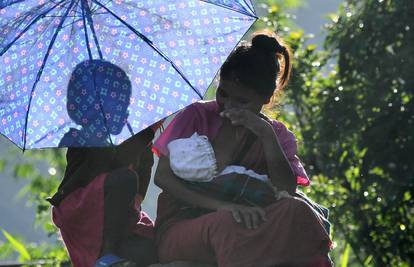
(193, 160)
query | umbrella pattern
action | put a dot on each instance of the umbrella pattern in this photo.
(170, 52)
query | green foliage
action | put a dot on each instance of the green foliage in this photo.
(42, 169)
(355, 119)
(17, 246)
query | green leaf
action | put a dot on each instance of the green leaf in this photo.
(17, 245)
(2, 165)
(345, 256)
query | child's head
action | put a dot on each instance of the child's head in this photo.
(253, 72)
(98, 97)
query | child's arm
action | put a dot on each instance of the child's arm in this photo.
(165, 179)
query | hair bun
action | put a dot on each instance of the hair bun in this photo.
(266, 43)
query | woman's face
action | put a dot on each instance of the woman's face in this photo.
(231, 94)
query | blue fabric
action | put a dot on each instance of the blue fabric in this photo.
(108, 260)
(170, 52)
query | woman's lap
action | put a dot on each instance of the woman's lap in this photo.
(292, 231)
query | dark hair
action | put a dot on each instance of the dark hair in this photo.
(258, 65)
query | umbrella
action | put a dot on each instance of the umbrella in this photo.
(79, 73)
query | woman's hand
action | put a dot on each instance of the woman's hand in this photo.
(251, 217)
(248, 119)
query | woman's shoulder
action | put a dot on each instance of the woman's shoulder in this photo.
(282, 131)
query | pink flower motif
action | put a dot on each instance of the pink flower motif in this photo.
(131, 36)
(191, 41)
(107, 50)
(24, 89)
(65, 37)
(210, 40)
(200, 82)
(230, 38)
(132, 100)
(175, 94)
(97, 106)
(226, 19)
(142, 13)
(114, 31)
(83, 91)
(99, 134)
(187, 23)
(40, 45)
(172, 43)
(75, 50)
(125, 55)
(80, 23)
(61, 121)
(61, 64)
(156, 87)
(35, 123)
(8, 78)
(15, 114)
(178, 63)
(58, 93)
(123, 17)
(147, 29)
(72, 107)
(4, 121)
(24, 70)
(206, 21)
(137, 80)
(182, 5)
(46, 108)
(84, 120)
(6, 60)
(162, 67)
(113, 94)
(47, 79)
(11, 96)
(168, 113)
(2, 11)
(215, 60)
(144, 60)
(150, 107)
(23, 52)
(162, 9)
(167, 26)
(74, 134)
(49, 136)
(107, 116)
(196, 61)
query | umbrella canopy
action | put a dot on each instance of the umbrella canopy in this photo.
(60, 60)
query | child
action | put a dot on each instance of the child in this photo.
(193, 160)
(285, 233)
(97, 205)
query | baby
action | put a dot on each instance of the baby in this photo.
(193, 160)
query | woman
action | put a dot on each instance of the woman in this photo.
(286, 233)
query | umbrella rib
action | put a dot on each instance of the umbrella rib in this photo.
(86, 30)
(149, 42)
(39, 73)
(251, 8)
(28, 27)
(90, 21)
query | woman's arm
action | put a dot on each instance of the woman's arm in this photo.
(280, 172)
(165, 179)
